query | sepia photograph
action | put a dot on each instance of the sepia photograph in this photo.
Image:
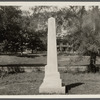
(50, 48)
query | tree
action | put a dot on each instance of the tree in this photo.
(84, 27)
(91, 31)
(37, 28)
(10, 26)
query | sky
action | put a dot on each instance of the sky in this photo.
(27, 8)
(26, 5)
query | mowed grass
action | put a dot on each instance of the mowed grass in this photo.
(63, 60)
(86, 83)
(6, 59)
(29, 83)
(21, 84)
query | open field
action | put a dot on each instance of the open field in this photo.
(38, 61)
(28, 83)
(42, 59)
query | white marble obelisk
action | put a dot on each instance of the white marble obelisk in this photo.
(52, 82)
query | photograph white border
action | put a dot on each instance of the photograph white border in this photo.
(52, 3)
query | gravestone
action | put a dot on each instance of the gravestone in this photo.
(52, 82)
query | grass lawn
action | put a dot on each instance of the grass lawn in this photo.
(41, 59)
(6, 59)
(87, 83)
(29, 83)
(21, 84)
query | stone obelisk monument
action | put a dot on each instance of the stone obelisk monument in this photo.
(52, 82)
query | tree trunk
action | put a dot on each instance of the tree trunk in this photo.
(32, 51)
(60, 47)
(92, 62)
(21, 51)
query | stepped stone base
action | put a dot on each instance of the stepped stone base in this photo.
(52, 83)
(51, 89)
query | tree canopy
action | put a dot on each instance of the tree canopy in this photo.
(78, 26)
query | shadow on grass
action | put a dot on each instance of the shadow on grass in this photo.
(68, 87)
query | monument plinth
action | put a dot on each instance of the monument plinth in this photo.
(52, 82)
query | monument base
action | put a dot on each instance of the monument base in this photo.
(51, 89)
(52, 83)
